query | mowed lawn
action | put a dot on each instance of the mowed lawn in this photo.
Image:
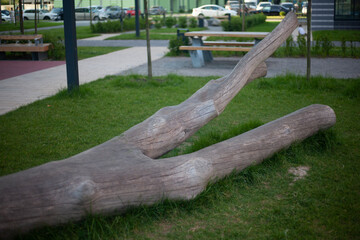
(262, 202)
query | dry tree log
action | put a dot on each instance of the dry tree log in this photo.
(122, 172)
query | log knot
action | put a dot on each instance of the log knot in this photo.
(83, 190)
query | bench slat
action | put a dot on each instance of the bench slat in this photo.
(20, 37)
(209, 48)
(216, 43)
(25, 47)
(227, 34)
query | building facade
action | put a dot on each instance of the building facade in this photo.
(335, 14)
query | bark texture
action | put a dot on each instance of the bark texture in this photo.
(122, 172)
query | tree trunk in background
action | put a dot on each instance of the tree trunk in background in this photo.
(21, 17)
(35, 18)
(148, 40)
(308, 37)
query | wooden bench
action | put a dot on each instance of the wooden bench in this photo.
(34, 45)
(200, 51)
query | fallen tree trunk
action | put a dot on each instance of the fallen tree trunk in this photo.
(121, 172)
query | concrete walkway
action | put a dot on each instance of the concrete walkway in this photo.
(27, 88)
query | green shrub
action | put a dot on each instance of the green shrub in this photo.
(174, 45)
(193, 23)
(183, 22)
(282, 14)
(115, 26)
(343, 46)
(289, 44)
(236, 22)
(302, 45)
(170, 22)
(57, 52)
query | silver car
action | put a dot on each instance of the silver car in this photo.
(83, 13)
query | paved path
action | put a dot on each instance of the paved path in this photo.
(27, 88)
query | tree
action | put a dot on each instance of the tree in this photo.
(122, 172)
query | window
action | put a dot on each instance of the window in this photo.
(347, 9)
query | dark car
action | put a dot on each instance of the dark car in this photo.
(157, 10)
(113, 12)
(274, 10)
(6, 12)
(288, 5)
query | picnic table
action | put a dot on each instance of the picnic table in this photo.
(24, 43)
(200, 51)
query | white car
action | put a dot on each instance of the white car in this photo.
(212, 11)
(52, 15)
(261, 5)
(5, 18)
(304, 8)
(83, 13)
(30, 14)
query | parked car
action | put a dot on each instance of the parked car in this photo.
(288, 5)
(212, 11)
(261, 5)
(54, 14)
(30, 14)
(5, 18)
(83, 13)
(113, 12)
(229, 4)
(157, 10)
(131, 11)
(59, 12)
(274, 10)
(5, 12)
(304, 8)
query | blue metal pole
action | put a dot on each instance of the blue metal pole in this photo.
(72, 69)
(137, 25)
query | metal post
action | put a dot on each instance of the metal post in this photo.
(35, 19)
(308, 57)
(137, 25)
(21, 16)
(148, 40)
(70, 45)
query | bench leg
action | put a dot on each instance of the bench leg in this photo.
(36, 56)
(197, 58)
(2, 56)
(207, 56)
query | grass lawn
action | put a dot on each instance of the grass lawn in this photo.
(155, 34)
(27, 25)
(263, 27)
(261, 202)
(81, 32)
(338, 35)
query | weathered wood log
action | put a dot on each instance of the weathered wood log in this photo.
(121, 172)
(115, 175)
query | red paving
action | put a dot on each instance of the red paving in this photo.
(10, 69)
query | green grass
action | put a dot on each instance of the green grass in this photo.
(88, 52)
(155, 34)
(81, 32)
(83, 53)
(338, 35)
(261, 202)
(263, 27)
(27, 25)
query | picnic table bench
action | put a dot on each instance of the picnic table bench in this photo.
(200, 51)
(17, 43)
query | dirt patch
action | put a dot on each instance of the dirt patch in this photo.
(299, 172)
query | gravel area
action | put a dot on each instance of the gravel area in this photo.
(330, 67)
